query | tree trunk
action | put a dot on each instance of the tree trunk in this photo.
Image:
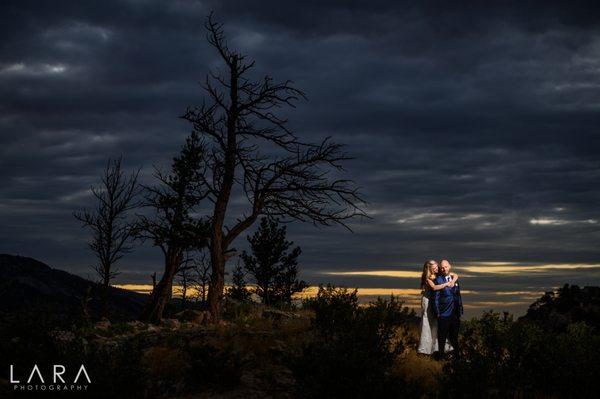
(217, 249)
(183, 290)
(162, 293)
(217, 283)
(105, 288)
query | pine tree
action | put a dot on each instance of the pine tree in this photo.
(238, 288)
(274, 269)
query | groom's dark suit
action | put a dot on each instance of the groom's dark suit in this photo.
(447, 304)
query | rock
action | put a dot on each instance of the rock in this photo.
(187, 325)
(103, 324)
(278, 347)
(137, 325)
(277, 314)
(280, 318)
(106, 345)
(224, 324)
(63, 336)
(171, 323)
(194, 316)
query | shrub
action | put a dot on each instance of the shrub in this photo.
(354, 347)
(334, 308)
(480, 368)
(503, 358)
(217, 367)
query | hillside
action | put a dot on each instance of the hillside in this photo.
(26, 283)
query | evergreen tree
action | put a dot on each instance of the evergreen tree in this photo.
(238, 288)
(272, 264)
(174, 225)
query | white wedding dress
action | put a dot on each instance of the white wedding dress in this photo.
(428, 342)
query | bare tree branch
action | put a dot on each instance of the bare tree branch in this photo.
(251, 149)
(112, 232)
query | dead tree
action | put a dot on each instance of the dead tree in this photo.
(173, 227)
(112, 232)
(85, 305)
(252, 150)
(200, 276)
(153, 276)
(185, 275)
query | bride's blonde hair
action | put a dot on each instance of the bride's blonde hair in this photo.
(427, 274)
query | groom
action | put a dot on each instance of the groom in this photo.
(447, 304)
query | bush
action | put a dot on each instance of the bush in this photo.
(503, 358)
(116, 370)
(480, 368)
(354, 348)
(334, 308)
(556, 310)
(216, 367)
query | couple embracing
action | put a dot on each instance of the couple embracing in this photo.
(442, 308)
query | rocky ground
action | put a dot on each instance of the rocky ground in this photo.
(258, 342)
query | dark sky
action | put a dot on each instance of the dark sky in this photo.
(474, 127)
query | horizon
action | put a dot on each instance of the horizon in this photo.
(403, 283)
(411, 297)
(485, 286)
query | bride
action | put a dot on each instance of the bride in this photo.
(428, 342)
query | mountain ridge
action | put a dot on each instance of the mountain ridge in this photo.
(26, 282)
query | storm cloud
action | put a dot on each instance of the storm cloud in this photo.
(474, 128)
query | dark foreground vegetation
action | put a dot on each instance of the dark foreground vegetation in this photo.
(328, 346)
(551, 352)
